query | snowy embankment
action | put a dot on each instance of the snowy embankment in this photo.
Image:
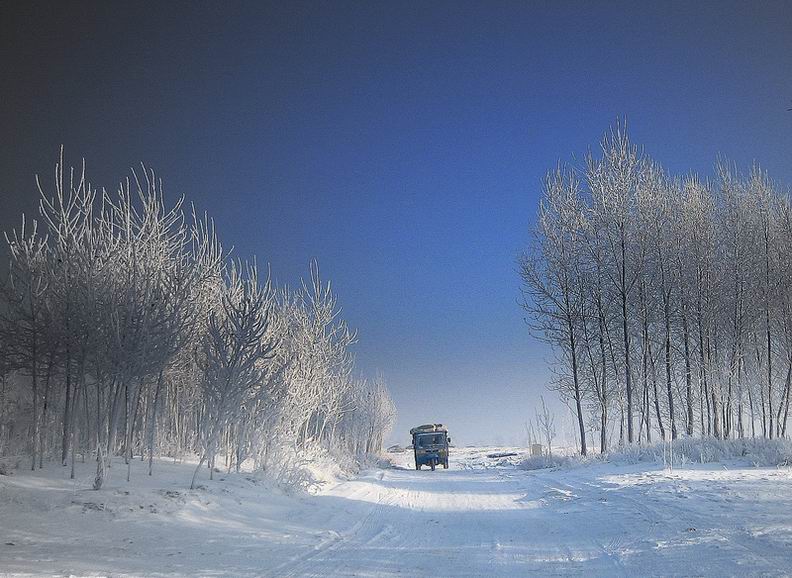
(682, 452)
(483, 516)
(234, 525)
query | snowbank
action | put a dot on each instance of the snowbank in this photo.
(753, 452)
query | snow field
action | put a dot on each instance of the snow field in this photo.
(482, 517)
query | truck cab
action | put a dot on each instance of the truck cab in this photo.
(430, 445)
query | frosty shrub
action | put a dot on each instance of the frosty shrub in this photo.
(758, 452)
(548, 461)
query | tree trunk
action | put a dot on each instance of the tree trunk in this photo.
(767, 329)
(688, 376)
(604, 392)
(153, 423)
(784, 401)
(668, 371)
(769, 376)
(34, 376)
(66, 408)
(44, 428)
(628, 377)
(576, 385)
(626, 335)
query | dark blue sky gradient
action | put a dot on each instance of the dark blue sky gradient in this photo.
(401, 144)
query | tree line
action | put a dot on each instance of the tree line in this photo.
(665, 299)
(126, 329)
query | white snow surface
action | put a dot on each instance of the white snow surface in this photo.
(481, 517)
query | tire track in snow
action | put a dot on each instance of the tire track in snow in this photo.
(306, 564)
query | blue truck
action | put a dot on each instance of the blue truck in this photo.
(430, 445)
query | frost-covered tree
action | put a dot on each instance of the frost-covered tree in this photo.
(615, 180)
(125, 331)
(552, 276)
(545, 419)
(678, 303)
(26, 322)
(236, 345)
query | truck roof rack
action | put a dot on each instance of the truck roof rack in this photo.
(428, 428)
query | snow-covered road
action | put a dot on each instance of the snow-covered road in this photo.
(469, 520)
(586, 521)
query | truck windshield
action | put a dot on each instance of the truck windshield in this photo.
(430, 440)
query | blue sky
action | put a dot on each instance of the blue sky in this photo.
(400, 144)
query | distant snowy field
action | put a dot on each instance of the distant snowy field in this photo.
(483, 517)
